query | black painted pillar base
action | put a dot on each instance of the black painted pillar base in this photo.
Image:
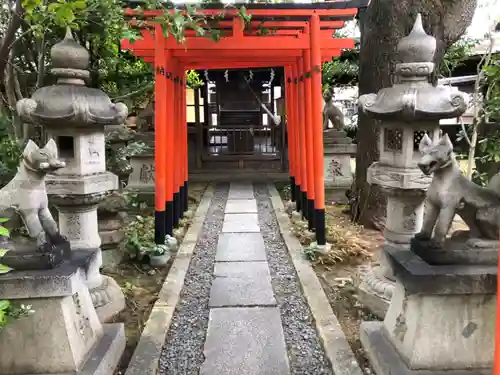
(298, 195)
(186, 197)
(292, 189)
(169, 218)
(177, 209)
(159, 227)
(181, 198)
(319, 218)
(310, 219)
(304, 205)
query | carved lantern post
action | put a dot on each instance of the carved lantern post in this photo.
(75, 115)
(408, 110)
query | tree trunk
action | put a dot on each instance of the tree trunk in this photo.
(382, 25)
(10, 36)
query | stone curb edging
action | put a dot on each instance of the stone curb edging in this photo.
(147, 353)
(337, 349)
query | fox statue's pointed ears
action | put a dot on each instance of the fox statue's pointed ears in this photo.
(50, 148)
(426, 142)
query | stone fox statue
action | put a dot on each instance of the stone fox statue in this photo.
(25, 196)
(451, 192)
(331, 112)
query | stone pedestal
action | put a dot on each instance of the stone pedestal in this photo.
(404, 189)
(77, 200)
(142, 178)
(63, 335)
(376, 289)
(117, 137)
(111, 214)
(440, 320)
(338, 150)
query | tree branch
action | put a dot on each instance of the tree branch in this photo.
(10, 34)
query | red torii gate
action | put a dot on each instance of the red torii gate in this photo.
(300, 46)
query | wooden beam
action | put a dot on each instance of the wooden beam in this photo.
(252, 25)
(249, 55)
(231, 12)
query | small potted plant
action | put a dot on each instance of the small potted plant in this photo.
(159, 256)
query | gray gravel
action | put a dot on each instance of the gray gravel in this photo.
(305, 352)
(183, 352)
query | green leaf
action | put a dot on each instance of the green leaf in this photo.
(4, 232)
(4, 269)
(4, 304)
(53, 7)
(3, 220)
(3, 252)
(79, 4)
(3, 319)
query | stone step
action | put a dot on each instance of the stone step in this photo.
(241, 223)
(240, 190)
(245, 341)
(241, 206)
(240, 247)
(241, 284)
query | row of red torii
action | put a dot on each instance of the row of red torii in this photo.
(300, 42)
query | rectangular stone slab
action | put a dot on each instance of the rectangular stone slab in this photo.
(241, 191)
(240, 223)
(241, 284)
(241, 206)
(243, 247)
(245, 341)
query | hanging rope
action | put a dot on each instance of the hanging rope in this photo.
(271, 78)
(226, 75)
(274, 118)
(206, 75)
(249, 77)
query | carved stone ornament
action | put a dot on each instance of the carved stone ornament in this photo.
(70, 101)
(414, 97)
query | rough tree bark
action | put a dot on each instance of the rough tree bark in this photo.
(382, 25)
(10, 36)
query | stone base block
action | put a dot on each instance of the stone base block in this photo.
(106, 355)
(108, 299)
(111, 238)
(63, 335)
(112, 257)
(145, 194)
(440, 319)
(337, 194)
(385, 360)
(372, 300)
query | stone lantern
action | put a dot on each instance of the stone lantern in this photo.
(409, 109)
(75, 116)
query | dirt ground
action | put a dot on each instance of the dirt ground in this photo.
(340, 279)
(141, 286)
(339, 276)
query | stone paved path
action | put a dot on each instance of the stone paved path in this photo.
(245, 334)
(242, 309)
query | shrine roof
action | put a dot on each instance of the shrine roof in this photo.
(291, 11)
(336, 4)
